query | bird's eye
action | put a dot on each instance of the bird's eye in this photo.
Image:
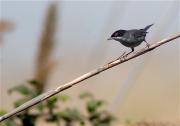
(116, 34)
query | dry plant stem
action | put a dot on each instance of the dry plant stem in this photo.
(84, 77)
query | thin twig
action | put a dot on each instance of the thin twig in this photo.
(85, 76)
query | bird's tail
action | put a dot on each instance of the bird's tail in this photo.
(147, 27)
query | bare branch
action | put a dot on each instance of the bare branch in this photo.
(84, 77)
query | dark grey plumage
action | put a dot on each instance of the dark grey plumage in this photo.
(131, 38)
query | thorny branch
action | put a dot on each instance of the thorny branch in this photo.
(92, 73)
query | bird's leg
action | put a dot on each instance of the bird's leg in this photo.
(132, 50)
(147, 44)
(122, 55)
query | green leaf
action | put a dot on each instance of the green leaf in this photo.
(52, 101)
(33, 82)
(21, 89)
(64, 98)
(92, 105)
(2, 112)
(19, 102)
(100, 102)
(40, 106)
(65, 114)
(70, 115)
(10, 122)
(105, 118)
(85, 95)
(82, 123)
(52, 118)
(94, 116)
(28, 119)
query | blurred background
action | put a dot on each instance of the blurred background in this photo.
(57, 41)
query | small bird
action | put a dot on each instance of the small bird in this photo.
(131, 38)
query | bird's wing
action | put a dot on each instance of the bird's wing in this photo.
(139, 34)
(134, 35)
(128, 36)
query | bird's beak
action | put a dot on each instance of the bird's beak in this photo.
(110, 39)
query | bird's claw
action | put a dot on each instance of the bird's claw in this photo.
(124, 55)
(148, 45)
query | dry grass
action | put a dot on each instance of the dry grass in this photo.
(44, 62)
(6, 25)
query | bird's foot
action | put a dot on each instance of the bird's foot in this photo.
(148, 45)
(119, 58)
(124, 55)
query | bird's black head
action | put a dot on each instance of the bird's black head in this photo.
(118, 33)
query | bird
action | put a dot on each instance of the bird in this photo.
(131, 38)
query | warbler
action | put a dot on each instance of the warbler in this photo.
(131, 38)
